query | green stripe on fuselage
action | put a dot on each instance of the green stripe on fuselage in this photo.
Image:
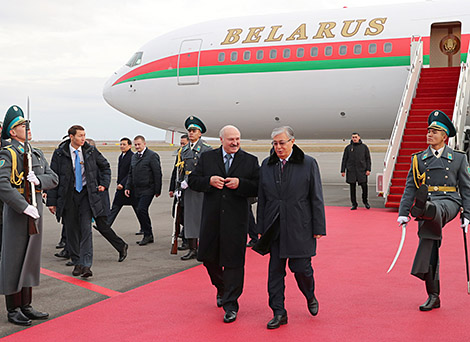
(280, 67)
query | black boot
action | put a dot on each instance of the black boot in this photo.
(423, 209)
(27, 309)
(433, 290)
(15, 315)
(192, 254)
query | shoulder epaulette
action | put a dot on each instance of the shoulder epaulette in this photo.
(458, 151)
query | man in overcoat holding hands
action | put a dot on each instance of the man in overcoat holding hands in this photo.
(291, 215)
(228, 176)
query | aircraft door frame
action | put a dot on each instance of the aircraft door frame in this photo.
(188, 62)
(445, 44)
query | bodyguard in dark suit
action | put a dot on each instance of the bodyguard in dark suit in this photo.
(291, 217)
(228, 176)
(83, 173)
(124, 164)
(144, 182)
(439, 183)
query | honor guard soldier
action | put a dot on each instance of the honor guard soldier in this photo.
(21, 251)
(192, 200)
(439, 184)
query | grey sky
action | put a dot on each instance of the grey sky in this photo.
(60, 53)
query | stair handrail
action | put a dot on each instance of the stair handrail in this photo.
(461, 105)
(402, 115)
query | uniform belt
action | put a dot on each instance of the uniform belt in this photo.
(435, 188)
(21, 190)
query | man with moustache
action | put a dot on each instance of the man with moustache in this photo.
(439, 184)
(291, 218)
(192, 200)
(83, 173)
(20, 260)
(143, 183)
(228, 177)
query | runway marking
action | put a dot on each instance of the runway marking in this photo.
(82, 283)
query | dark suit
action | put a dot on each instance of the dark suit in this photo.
(144, 182)
(124, 164)
(224, 224)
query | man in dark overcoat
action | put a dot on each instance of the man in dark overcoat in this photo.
(83, 173)
(20, 260)
(228, 176)
(356, 166)
(143, 183)
(439, 184)
(291, 216)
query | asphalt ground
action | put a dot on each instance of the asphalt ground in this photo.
(146, 264)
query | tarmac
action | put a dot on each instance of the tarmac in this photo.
(146, 264)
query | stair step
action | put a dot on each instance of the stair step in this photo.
(430, 107)
(409, 132)
(404, 159)
(397, 190)
(418, 145)
(391, 204)
(398, 182)
(440, 101)
(402, 166)
(415, 138)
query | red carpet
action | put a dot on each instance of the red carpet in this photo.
(358, 300)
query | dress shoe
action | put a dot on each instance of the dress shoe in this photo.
(184, 246)
(251, 243)
(230, 316)
(367, 205)
(219, 301)
(63, 254)
(277, 321)
(60, 245)
(312, 305)
(17, 317)
(192, 254)
(69, 263)
(77, 270)
(433, 302)
(31, 313)
(123, 253)
(140, 232)
(145, 240)
(86, 272)
(354, 207)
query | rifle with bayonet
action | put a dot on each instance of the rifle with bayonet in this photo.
(178, 209)
(29, 187)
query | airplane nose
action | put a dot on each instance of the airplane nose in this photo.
(107, 89)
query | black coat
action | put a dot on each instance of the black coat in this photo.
(356, 162)
(124, 164)
(97, 172)
(225, 211)
(145, 174)
(295, 198)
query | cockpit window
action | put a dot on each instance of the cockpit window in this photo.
(136, 59)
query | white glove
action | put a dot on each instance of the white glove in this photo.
(402, 219)
(32, 178)
(184, 185)
(177, 194)
(31, 211)
(464, 225)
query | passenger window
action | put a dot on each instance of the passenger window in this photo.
(388, 47)
(273, 54)
(221, 57)
(328, 51)
(343, 50)
(246, 55)
(259, 55)
(234, 56)
(314, 52)
(286, 53)
(357, 49)
(372, 48)
(300, 52)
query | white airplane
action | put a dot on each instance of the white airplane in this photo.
(325, 73)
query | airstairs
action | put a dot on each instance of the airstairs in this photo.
(427, 89)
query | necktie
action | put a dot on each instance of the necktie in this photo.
(78, 173)
(283, 164)
(436, 153)
(140, 155)
(227, 162)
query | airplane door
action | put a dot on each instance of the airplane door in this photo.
(444, 48)
(188, 62)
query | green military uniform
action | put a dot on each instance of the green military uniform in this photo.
(21, 252)
(446, 189)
